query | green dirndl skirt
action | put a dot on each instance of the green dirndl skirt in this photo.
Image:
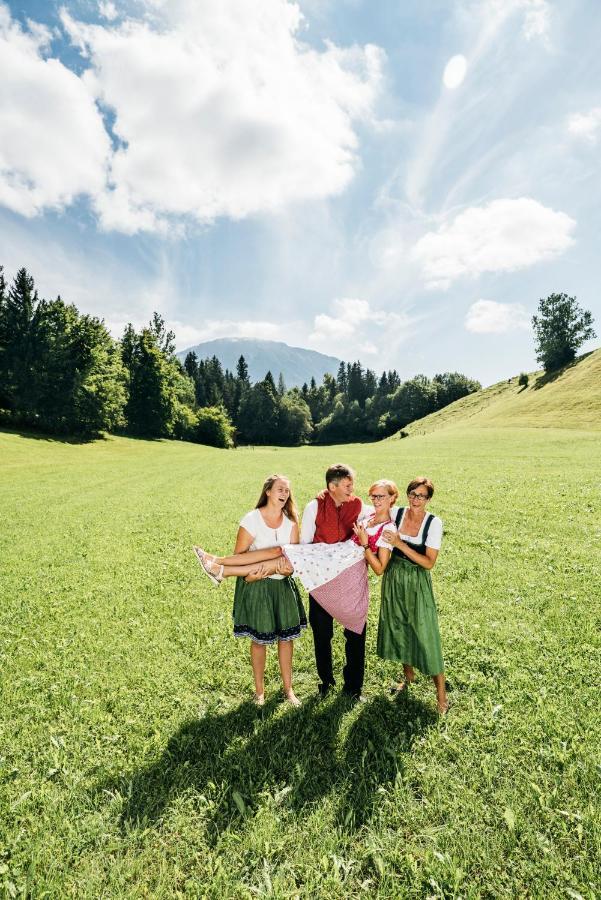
(408, 627)
(268, 610)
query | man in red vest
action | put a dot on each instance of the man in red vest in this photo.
(329, 519)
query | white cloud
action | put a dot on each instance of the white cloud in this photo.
(454, 72)
(489, 317)
(188, 335)
(586, 125)
(108, 10)
(503, 236)
(535, 15)
(220, 110)
(355, 328)
(54, 146)
(537, 19)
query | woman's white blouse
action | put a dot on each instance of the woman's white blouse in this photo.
(434, 539)
(264, 536)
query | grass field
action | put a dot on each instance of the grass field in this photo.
(132, 763)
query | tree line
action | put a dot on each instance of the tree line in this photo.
(62, 372)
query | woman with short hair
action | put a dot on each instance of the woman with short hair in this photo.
(408, 626)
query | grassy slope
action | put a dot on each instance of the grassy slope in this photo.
(571, 400)
(132, 765)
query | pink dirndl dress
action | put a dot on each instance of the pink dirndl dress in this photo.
(336, 575)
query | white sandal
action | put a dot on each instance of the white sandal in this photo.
(203, 555)
(209, 569)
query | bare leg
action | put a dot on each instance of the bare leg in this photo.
(268, 568)
(285, 652)
(441, 693)
(258, 653)
(250, 556)
(408, 678)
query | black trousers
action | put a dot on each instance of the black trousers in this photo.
(322, 625)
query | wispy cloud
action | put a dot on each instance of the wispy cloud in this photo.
(586, 125)
(490, 317)
(351, 328)
(188, 335)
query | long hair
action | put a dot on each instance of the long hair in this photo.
(290, 509)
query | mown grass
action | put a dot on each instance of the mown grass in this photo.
(133, 764)
(569, 398)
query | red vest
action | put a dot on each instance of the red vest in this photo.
(335, 523)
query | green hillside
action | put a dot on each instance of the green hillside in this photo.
(570, 399)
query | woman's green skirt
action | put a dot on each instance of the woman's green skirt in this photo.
(268, 610)
(408, 627)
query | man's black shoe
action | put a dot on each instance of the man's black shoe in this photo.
(355, 696)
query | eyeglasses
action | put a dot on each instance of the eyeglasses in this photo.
(377, 496)
(413, 496)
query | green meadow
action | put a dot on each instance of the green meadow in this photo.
(133, 764)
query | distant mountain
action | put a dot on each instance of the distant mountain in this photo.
(295, 363)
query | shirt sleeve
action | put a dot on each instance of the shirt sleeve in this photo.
(383, 543)
(249, 522)
(307, 531)
(366, 511)
(434, 539)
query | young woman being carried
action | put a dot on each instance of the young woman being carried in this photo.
(335, 574)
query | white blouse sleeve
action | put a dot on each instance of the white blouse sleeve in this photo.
(307, 532)
(249, 522)
(434, 539)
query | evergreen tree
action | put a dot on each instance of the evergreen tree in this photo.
(341, 379)
(4, 340)
(80, 376)
(191, 365)
(282, 385)
(165, 340)
(560, 329)
(259, 417)
(18, 335)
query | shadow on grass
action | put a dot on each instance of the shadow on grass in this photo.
(235, 762)
(31, 435)
(550, 377)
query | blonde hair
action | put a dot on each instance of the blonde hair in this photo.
(390, 486)
(290, 509)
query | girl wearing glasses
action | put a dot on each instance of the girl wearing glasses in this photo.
(335, 574)
(408, 627)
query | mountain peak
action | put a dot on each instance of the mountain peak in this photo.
(297, 364)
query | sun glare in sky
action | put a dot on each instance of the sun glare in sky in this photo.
(454, 72)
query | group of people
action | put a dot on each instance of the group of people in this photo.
(330, 552)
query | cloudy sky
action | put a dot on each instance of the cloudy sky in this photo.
(397, 181)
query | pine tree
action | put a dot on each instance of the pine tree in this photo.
(18, 335)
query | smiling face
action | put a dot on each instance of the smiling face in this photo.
(418, 498)
(279, 492)
(382, 498)
(342, 490)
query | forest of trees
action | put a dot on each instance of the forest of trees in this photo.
(62, 372)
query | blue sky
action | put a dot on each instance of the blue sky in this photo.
(398, 182)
